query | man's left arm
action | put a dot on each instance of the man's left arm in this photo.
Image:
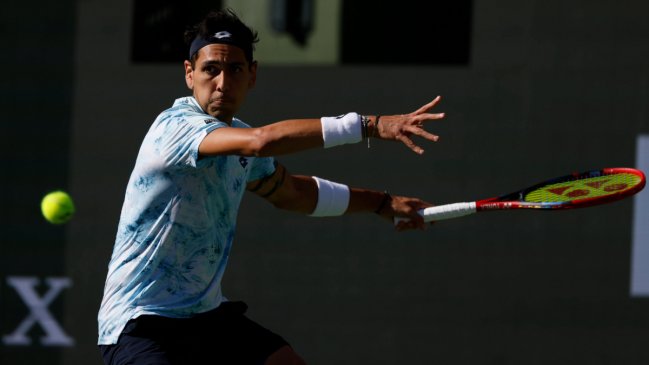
(319, 197)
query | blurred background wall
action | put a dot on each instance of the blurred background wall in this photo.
(531, 90)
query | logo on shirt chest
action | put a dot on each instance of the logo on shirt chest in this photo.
(243, 161)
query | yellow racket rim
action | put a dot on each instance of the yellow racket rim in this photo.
(587, 188)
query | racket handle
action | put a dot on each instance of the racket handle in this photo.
(442, 212)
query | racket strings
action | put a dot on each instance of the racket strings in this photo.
(583, 188)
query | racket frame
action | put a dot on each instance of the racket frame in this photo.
(515, 200)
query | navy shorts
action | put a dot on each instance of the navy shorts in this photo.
(221, 336)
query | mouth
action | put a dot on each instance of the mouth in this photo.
(220, 100)
(220, 107)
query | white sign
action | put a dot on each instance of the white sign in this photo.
(39, 313)
(640, 250)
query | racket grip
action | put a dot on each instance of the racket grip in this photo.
(442, 212)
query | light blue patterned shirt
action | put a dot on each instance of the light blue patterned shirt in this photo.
(177, 222)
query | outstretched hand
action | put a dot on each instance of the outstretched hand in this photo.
(402, 127)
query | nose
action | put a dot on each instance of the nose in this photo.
(223, 81)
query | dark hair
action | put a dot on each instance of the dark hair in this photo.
(216, 21)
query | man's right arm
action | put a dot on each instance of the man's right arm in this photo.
(275, 139)
(296, 135)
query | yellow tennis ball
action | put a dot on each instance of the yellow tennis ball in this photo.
(57, 207)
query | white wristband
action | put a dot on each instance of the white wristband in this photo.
(333, 198)
(341, 130)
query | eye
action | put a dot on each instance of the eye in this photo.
(211, 69)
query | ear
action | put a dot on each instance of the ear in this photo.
(189, 75)
(253, 75)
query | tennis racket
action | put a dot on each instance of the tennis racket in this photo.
(576, 190)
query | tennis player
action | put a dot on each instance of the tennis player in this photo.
(162, 300)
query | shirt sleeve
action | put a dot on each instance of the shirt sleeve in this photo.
(177, 138)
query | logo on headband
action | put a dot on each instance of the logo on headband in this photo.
(222, 35)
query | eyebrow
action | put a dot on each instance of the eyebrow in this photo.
(221, 63)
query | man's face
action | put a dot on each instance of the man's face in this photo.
(220, 79)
